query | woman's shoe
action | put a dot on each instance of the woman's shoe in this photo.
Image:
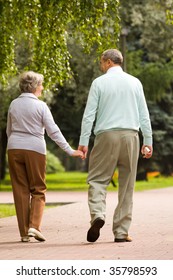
(25, 238)
(32, 232)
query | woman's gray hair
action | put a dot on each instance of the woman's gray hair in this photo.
(114, 55)
(29, 81)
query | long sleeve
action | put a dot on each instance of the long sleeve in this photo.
(89, 115)
(144, 119)
(54, 132)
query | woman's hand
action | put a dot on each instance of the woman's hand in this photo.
(78, 153)
(84, 149)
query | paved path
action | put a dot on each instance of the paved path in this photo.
(65, 228)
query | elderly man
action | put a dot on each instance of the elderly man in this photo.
(117, 107)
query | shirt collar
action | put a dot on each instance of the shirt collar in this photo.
(114, 69)
(27, 94)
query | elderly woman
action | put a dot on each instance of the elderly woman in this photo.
(28, 118)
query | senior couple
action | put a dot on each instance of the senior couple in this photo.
(116, 109)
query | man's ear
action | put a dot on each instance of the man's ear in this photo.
(110, 62)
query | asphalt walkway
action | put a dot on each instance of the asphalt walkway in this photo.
(65, 229)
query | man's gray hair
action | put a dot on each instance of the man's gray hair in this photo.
(114, 55)
(29, 81)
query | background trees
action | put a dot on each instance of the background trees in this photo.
(63, 40)
(150, 58)
(35, 34)
(149, 50)
(43, 27)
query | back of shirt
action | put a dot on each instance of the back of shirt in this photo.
(25, 129)
(28, 118)
(116, 101)
(26, 113)
(119, 96)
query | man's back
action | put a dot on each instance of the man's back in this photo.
(120, 100)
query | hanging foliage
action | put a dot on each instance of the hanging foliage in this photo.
(43, 27)
(169, 11)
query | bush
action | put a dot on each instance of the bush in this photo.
(53, 164)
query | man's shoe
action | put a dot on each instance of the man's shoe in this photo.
(32, 232)
(94, 231)
(25, 238)
(127, 239)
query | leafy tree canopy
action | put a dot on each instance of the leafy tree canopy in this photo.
(43, 28)
(149, 40)
(147, 28)
(169, 11)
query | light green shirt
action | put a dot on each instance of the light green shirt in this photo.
(116, 101)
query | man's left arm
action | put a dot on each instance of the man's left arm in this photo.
(145, 125)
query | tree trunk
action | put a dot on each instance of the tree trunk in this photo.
(3, 146)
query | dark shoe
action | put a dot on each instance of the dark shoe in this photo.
(94, 231)
(127, 239)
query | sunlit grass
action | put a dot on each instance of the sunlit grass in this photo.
(77, 181)
(154, 183)
(67, 181)
(7, 210)
(59, 181)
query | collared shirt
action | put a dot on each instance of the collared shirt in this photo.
(116, 101)
(28, 118)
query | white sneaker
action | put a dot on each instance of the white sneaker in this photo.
(25, 238)
(32, 232)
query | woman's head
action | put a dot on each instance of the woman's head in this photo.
(30, 81)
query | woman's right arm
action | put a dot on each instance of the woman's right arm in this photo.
(55, 133)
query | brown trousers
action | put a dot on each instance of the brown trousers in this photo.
(113, 149)
(27, 171)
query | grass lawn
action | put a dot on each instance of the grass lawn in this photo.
(76, 181)
(7, 210)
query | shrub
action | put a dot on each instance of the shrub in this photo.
(53, 164)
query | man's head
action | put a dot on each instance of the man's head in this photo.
(110, 58)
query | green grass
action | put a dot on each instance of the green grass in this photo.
(65, 181)
(154, 183)
(59, 181)
(8, 209)
(76, 181)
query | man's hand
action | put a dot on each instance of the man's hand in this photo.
(78, 153)
(84, 149)
(147, 151)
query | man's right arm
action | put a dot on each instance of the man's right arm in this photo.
(89, 116)
(83, 149)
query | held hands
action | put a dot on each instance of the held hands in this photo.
(78, 153)
(84, 150)
(147, 151)
(81, 152)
